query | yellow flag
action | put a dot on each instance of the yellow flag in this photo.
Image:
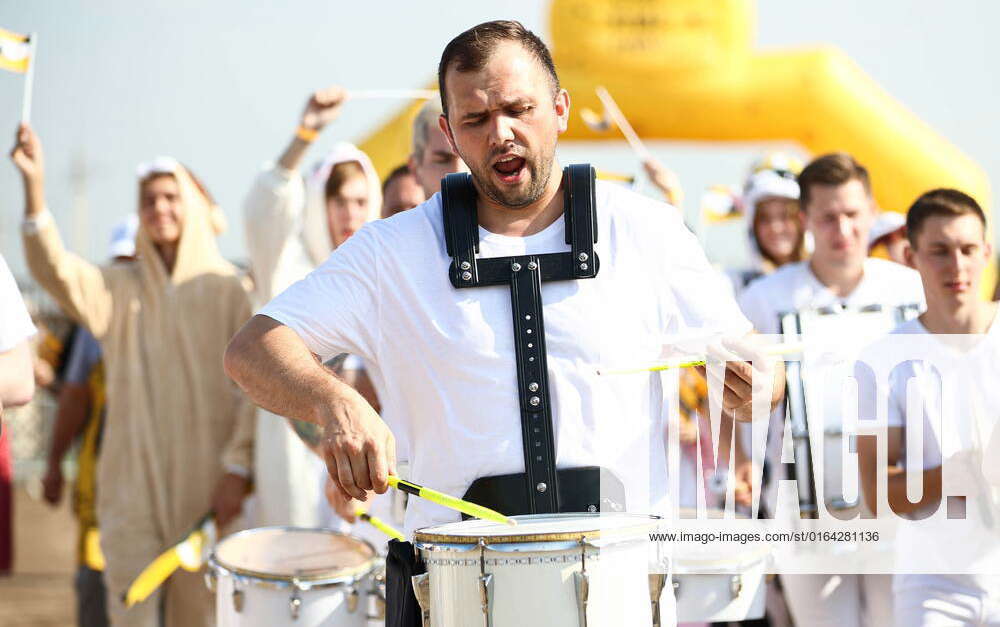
(15, 51)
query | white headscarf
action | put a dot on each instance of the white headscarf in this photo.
(315, 232)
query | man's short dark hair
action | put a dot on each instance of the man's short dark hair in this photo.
(940, 202)
(398, 171)
(470, 51)
(835, 168)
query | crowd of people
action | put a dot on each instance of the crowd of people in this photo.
(362, 357)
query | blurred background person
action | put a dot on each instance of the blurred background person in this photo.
(776, 233)
(432, 157)
(292, 225)
(888, 237)
(80, 417)
(400, 191)
(177, 442)
(17, 386)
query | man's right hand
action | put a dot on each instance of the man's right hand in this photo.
(358, 448)
(323, 107)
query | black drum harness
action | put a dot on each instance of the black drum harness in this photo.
(540, 489)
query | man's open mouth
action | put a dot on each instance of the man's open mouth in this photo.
(510, 168)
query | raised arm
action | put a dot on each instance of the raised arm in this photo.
(278, 372)
(273, 207)
(78, 286)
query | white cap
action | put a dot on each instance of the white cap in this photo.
(768, 184)
(887, 222)
(123, 237)
(158, 165)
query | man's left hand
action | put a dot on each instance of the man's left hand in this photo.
(745, 364)
(227, 500)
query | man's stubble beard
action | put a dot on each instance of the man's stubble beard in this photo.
(538, 182)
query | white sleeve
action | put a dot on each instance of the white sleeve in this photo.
(15, 323)
(335, 308)
(757, 308)
(703, 295)
(271, 211)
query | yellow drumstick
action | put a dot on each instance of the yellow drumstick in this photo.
(476, 511)
(152, 577)
(185, 554)
(377, 522)
(773, 351)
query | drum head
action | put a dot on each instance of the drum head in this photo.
(283, 553)
(540, 528)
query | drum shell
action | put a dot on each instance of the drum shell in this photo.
(723, 596)
(282, 576)
(540, 584)
(266, 605)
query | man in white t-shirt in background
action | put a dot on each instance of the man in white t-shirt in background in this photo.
(947, 233)
(838, 208)
(17, 376)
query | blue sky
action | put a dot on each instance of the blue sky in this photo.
(219, 85)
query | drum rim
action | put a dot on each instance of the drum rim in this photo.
(345, 576)
(424, 538)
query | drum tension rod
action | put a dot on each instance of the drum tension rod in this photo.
(485, 585)
(582, 580)
(295, 601)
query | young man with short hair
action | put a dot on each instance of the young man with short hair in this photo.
(838, 208)
(948, 247)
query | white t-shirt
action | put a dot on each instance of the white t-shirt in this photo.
(956, 429)
(443, 362)
(15, 323)
(794, 287)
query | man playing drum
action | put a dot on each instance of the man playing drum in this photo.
(462, 377)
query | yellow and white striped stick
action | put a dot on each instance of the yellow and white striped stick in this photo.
(774, 350)
(451, 502)
(377, 522)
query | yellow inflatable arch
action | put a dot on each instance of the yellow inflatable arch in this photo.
(686, 69)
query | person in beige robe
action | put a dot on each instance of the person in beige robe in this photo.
(178, 437)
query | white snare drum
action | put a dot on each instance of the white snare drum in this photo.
(289, 576)
(552, 569)
(718, 582)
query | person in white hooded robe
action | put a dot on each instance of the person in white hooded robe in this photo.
(292, 224)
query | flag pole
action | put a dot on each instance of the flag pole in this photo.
(29, 79)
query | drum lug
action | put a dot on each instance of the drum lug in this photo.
(736, 586)
(352, 599)
(485, 585)
(295, 601)
(422, 589)
(238, 597)
(582, 581)
(656, 583)
(840, 503)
